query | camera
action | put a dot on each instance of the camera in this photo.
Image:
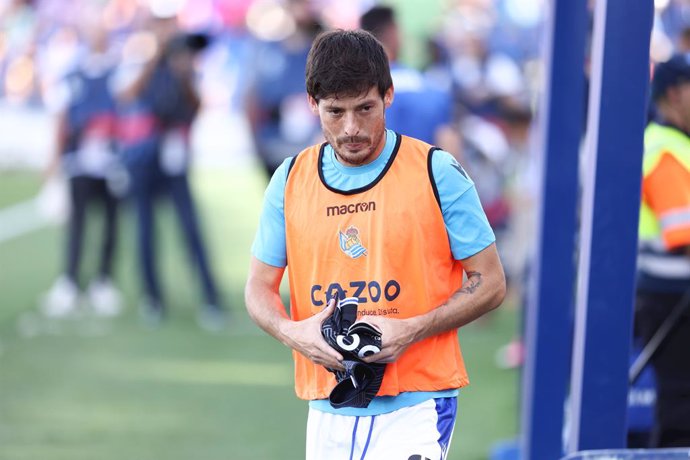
(188, 42)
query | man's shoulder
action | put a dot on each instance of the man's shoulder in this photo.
(665, 140)
(308, 153)
(448, 172)
(439, 157)
(411, 142)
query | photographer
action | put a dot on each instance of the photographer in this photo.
(158, 108)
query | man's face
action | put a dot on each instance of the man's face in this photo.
(675, 106)
(684, 101)
(354, 126)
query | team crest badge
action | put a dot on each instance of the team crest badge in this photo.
(350, 243)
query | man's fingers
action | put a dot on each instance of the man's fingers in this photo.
(384, 356)
(333, 359)
(325, 355)
(375, 358)
(328, 311)
(330, 351)
(337, 365)
(334, 354)
(330, 357)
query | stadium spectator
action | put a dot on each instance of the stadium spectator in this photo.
(158, 106)
(663, 261)
(85, 147)
(683, 45)
(275, 100)
(421, 110)
(402, 205)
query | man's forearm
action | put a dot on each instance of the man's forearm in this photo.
(132, 91)
(59, 147)
(191, 94)
(479, 294)
(483, 291)
(266, 309)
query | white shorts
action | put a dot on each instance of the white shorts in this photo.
(418, 432)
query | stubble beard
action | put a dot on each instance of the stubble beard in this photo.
(358, 158)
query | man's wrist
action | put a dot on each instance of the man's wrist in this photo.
(284, 328)
(422, 326)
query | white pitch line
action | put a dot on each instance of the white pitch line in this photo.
(19, 219)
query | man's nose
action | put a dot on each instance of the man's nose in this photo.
(351, 126)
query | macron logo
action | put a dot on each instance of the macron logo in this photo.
(350, 208)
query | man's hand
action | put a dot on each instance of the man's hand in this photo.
(396, 336)
(305, 337)
(265, 307)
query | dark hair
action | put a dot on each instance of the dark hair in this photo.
(377, 19)
(668, 74)
(345, 63)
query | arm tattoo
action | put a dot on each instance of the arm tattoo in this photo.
(474, 280)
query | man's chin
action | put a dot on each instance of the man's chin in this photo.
(351, 158)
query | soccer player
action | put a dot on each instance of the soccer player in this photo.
(393, 222)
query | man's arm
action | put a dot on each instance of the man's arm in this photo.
(59, 147)
(667, 191)
(265, 307)
(482, 291)
(136, 86)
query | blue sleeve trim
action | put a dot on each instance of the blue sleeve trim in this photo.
(274, 262)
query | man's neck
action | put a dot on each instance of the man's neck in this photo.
(670, 115)
(675, 122)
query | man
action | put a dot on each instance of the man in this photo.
(279, 118)
(85, 148)
(663, 261)
(417, 220)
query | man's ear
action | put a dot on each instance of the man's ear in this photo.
(314, 105)
(388, 97)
